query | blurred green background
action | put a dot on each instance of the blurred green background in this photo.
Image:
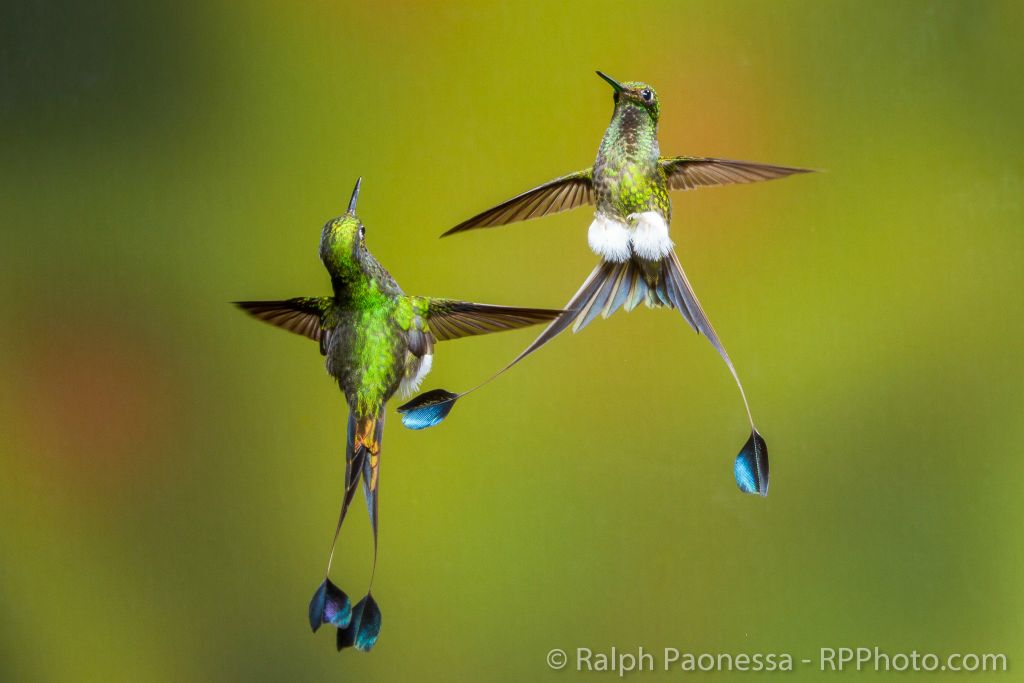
(171, 469)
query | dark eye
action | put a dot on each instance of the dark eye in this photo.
(647, 95)
(362, 232)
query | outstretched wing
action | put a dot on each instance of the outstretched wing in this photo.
(560, 194)
(302, 315)
(450, 319)
(687, 173)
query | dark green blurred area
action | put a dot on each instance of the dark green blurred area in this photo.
(171, 469)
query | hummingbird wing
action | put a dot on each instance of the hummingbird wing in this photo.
(302, 315)
(560, 194)
(450, 319)
(687, 173)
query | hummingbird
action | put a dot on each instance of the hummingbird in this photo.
(629, 186)
(376, 341)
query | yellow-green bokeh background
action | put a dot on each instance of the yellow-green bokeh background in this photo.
(170, 468)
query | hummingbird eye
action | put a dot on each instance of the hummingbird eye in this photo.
(646, 94)
(362, 232)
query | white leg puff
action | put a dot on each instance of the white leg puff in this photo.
(650, 236)
(411, 383)
(608, 238)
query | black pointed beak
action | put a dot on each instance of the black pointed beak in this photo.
(355, 196)
(616, 86)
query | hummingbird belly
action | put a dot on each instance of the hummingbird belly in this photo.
(367, 356)
(632, 206)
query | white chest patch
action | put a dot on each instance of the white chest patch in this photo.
(411, 383)
(650, 238)
(609, 239)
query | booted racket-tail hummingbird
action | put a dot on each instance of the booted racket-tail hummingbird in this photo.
(629, 186)
(376, 341)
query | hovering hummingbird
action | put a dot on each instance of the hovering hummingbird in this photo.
(628, 184)
(377, 340)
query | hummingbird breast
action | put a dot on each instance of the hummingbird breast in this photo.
(631, 194)
(627, 178)
(626, 187)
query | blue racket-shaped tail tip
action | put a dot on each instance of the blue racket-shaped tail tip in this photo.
(428, 409)
(751, 467)
(329, 605)
(363, 630)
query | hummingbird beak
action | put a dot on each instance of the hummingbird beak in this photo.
(355, 196)
(616, 86)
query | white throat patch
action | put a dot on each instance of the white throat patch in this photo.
(650, 236)
(609, 239)
(411, 383)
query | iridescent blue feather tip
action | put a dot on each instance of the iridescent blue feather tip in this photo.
(329, 605)
(427, 409)
(751, 468)
(364, 628)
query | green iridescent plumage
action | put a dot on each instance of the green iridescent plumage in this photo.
(377, 341)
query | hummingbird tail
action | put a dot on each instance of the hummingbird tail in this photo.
(615, 285)
(432, 407)
(659, 283)
(751, 466)
(609, 286)
(365, 441)
(361, 625)
(353, 471)
(364, 629)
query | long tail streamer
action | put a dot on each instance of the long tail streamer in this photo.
(357, 626)
(609, 287)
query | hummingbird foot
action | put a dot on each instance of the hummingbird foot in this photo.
(650, 238)
(609, 238)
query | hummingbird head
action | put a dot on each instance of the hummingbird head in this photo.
(342, 240)
(636, 94)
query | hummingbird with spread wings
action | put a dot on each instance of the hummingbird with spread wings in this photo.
(377, 341)
(629, 186)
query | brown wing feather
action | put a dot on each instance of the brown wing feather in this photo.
(687, 173)
(303, 315)
(450, 319)
(561, 194)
